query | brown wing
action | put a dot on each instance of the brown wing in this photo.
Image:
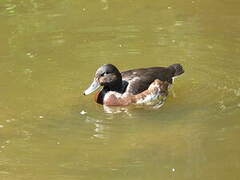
(140, 79)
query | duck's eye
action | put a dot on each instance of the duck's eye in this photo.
(104, 73)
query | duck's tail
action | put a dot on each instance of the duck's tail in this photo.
(176, 69)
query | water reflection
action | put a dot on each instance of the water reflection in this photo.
(115, 110)
(100, 127)
(105, 4)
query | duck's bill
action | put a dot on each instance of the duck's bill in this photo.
(93, 87)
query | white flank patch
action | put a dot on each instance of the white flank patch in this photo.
(148, 99)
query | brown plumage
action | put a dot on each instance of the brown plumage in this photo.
(131, 82)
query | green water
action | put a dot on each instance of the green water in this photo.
(49, 51)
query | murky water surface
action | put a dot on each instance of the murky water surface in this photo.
(49, 51)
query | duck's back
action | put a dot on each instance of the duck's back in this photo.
(140, 79)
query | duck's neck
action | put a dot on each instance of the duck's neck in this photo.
(117, 86)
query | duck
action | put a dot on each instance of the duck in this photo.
(135, 86)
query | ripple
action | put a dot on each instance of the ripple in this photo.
(134, 51)
(100, 127)
(10, 9)
(4, 172)
(54, 15)
(105, 4)
(178, 23)
(222, 106)
(236, 92)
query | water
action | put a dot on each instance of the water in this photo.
(49, 52)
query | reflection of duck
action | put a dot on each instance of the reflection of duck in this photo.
(133, 86)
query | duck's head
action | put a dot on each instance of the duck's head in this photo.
(107, 76)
